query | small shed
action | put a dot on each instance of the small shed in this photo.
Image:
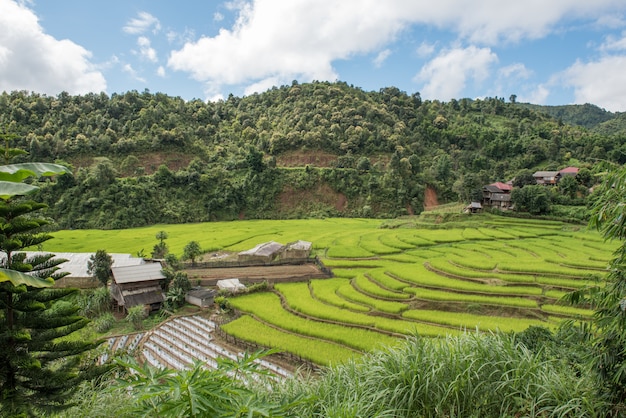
(138, 285)
(232, 285)
(265, 252)
(200, 297)
(474, 207)
(297, 249)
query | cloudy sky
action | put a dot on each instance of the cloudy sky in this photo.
(543, 51)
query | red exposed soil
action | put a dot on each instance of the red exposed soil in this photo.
(430, 199)
(322, 194)
(302, 158)
(149, 161)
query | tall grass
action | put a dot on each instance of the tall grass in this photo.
(465, 376)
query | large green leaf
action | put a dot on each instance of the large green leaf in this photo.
(21, 171)
(11, 176)
(9, 189)
(17, 278)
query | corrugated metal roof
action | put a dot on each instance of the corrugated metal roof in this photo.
(299, 245)
(265, 249)
(76, 264)
(230, 284)
(140, 273)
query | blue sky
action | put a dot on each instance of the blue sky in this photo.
(546, 52)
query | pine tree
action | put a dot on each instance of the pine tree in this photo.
(38, 369)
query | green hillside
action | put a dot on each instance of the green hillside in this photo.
(317, 149)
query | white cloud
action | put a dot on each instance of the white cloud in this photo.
(218, 17)
(32, 60)
(614, 44)
(447, 74)
(161, 71)
(128, 69)
(538, 96)
(425, 49)
(381, 57)
(515, 71)
(142, 24)
(145, 50)
(302, 39)
(310, 36)
(263, 85)
(601, 82)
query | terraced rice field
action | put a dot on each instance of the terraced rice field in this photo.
(504, 275)
(393, 278)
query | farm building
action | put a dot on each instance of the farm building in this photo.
(265, 252)
(232, 285)
(297, 249)
(138, 285)
(495, 197)
(76, 266)
(548, 178)
(569, 171)
(473, 207)
(200, 297)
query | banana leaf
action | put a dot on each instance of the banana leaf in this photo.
(17, 278)
(21, 171)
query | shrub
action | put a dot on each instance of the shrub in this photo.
(104, 322)
(136, 315)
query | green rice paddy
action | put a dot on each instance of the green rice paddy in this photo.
(414, 277)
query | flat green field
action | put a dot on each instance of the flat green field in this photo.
(393, 278)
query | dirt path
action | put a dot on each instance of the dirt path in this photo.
(209, 276)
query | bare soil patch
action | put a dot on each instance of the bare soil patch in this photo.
(273, 274)
(430, 199)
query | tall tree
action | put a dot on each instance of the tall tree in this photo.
(160, 249)
(99, 266)
(609, 357)
(38, 367)
(192, 251)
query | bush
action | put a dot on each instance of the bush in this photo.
(136, 315)
(104, 322)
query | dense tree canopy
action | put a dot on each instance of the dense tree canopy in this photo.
(142, 158)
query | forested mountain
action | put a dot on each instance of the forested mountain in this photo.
(316, 149)
(586, 115)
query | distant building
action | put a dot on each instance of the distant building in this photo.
(474, 207)
(547, 178)
(265, 252)
(232, 285)
(297, 249)
(551, 178)
(569, 171)
(138, 285)
(497, 195)
(201, 297)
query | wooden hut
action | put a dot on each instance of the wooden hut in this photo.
(138, 285)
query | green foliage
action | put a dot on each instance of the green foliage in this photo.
(192, 251)
(201, 392)
(532, 199)
(178, 286)
(104, 322)
(99, 266)
(160, 249)
(136, 315)
(95, 302)
(38, 366)
(467, 376)
(609, 359)
(195, 161)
